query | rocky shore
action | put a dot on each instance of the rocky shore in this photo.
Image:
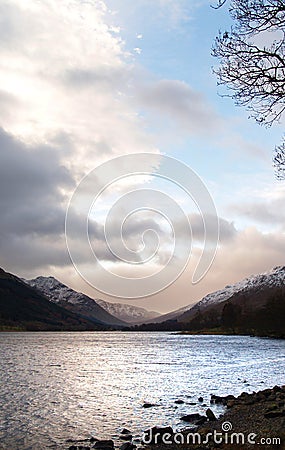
(251, 421)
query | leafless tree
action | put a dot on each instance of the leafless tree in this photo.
(252, 60)
(279, 161)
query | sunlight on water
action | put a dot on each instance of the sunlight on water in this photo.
(59, 386)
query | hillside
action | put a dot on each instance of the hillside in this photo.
(24, 308)
(60, 294)
(129, 313)
(255, 305)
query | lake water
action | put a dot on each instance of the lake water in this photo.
(59, 386)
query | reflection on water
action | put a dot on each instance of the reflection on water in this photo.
(57, 386)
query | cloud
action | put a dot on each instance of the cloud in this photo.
(33, 195)
(72, 97)
(74, 80)
(181, 104)
(227, 230)
(266, 207)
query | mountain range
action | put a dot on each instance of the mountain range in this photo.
(25, 308)
(110, 313)
(255, 305)
(60, 294)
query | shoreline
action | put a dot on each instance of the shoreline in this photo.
(251, 421)
(258, 418)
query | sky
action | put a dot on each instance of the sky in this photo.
(84, 82)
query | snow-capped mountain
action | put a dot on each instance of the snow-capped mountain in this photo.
(128, 313)
(254, 285)
(106, 312)
(77, 302)
(268, 280)
(23, 307)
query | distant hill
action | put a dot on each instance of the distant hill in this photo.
(60, 294)
(111, 313)
(23, 307)
(255, 305)
(128, 313)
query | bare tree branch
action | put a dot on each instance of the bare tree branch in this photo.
(279, 161)
(252, 62)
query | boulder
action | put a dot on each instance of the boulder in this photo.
(191, 417)
(126, 437)
(211, 416)
(273, 414)
(201, 421)
(128, 446)
(231, 403)
(104, 445)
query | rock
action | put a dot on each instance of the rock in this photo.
(104, 445)
(191, 417)
(125, 431)
(211, 416)
(155, 434)
(201, 421)
(230, 403)
(230, 397)
(126, 437)
(78, 447)
(179, 402)
(192, 403)
(266, 392)
(273, 414)
(128, 446)
(93, 439)
(148, 405)
(200, 399)
(259, 397)
(217, 399)
(249, 402)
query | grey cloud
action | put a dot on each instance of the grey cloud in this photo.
(108, 76)
(179, 102)
(32, 202)
(227, 230)
(23, 254)
(132, 235)
(265, 213)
